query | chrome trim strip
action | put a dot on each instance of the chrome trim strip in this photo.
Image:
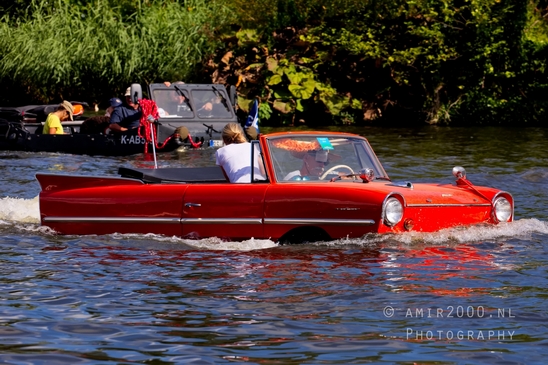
(295, 221)
(222, 220)
(392, 193)
(405, 184)
(448, 205)
(365, 222)
(112, 220)
(502, 192)
(90, 176)
(188, 205)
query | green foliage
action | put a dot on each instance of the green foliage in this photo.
(294, 88)
(405, 61)
(536, 29)
(308, 61)
(81, 51)
(265, 111)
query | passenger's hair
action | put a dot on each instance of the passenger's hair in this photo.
(233, 133)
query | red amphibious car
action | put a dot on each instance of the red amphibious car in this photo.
(306, 186)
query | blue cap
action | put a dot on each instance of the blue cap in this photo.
(114, 102)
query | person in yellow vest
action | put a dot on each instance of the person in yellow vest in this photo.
(64, 111)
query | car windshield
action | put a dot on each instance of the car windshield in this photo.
(321, 158)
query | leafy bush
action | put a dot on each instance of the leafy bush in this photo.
(402, 62)
(93, 50)
(309, 61)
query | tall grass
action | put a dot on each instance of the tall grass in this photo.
(96, 51)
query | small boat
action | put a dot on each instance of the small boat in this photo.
(191, 126)
(305, 186)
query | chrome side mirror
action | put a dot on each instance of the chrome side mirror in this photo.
(367, 175)
(459, 172)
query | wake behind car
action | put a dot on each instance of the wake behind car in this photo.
(318, 186)
(190, 115)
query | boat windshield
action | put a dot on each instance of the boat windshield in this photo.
(321, 158)
(178, 102)
(211, 104)
(173, 103)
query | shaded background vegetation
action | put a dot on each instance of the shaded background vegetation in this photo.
(309, 62)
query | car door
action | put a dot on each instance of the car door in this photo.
(228, 211)
(340, 209)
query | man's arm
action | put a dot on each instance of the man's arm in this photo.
(115, 127)
(115, 120)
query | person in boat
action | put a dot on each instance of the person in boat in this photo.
(126, 116)
(114, 103)
(100, 123)
(215, 106)
(168, 84)
(64, 112)
(178, 103)
(313, 166)
(235, 157)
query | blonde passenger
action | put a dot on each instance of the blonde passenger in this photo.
(235, 157)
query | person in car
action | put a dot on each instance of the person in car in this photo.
(126, 116)
(314, 163)
(64, 111)
(235, 157)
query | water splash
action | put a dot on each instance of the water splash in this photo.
(19, 210)
(522, 228)
(211, 243)
(218, 244)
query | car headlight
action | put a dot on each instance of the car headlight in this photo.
(392, 211)
(503, 209)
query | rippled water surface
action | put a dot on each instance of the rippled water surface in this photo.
(462, 296)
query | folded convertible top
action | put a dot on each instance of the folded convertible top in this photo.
(177, 174)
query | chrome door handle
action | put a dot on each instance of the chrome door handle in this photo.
(188, 205)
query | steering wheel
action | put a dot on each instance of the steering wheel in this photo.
(334, 168)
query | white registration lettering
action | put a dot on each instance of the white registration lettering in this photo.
(132, 140)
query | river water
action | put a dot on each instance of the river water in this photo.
(462, 296)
